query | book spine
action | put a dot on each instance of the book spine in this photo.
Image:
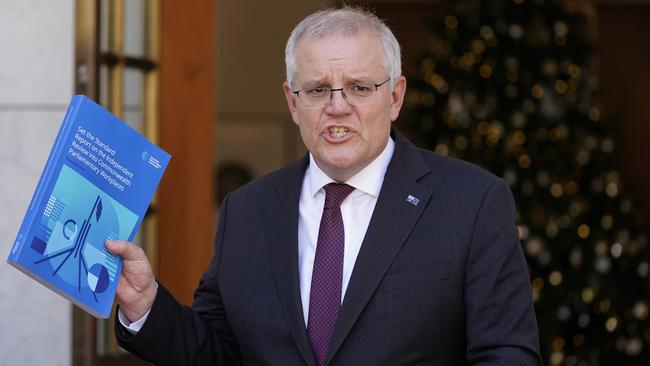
(46, 176)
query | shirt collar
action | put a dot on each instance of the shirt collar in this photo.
(368, 179)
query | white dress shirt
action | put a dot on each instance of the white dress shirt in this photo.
(356, 211)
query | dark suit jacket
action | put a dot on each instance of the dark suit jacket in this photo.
(440, 282)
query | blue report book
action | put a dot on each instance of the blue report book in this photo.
(97, 184)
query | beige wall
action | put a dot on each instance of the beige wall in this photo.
(36, 83)
(253, 125)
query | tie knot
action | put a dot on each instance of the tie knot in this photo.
(335, 193)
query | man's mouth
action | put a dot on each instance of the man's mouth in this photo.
(338, 132)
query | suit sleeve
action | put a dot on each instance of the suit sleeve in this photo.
(501, 324)
(178, 335)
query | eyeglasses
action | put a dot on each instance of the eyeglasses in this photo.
(321, 97)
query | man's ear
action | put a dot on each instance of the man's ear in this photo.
(397, 97)
(291, 101)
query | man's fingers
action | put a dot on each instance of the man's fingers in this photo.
(124, 249)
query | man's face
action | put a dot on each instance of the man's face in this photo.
(344, 138)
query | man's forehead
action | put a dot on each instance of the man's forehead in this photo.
(364, 39)
(354, 57)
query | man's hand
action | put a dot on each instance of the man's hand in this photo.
(137, 287)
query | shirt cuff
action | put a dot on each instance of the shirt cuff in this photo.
(134, 327)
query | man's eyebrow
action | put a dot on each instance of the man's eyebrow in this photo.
(360, 79)
(315, 82)
(347, 81)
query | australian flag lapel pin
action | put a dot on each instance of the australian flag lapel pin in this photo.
(412, 200)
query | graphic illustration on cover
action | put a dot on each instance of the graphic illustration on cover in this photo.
(69, 240)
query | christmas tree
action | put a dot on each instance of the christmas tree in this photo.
(511, 85)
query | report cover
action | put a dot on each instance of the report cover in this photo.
(96, 184)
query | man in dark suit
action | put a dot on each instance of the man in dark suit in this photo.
(369, 251)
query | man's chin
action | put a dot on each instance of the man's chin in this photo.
(340, 170)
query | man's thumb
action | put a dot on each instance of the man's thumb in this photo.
(122, 248)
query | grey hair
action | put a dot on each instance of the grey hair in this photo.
(347, 21)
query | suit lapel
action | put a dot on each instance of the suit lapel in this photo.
(391, 222)
(281, 226)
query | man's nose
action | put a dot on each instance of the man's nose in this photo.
(338, 103)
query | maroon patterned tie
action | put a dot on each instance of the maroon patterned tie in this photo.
(327, 276)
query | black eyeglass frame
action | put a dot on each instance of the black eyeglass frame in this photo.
(296, 92)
